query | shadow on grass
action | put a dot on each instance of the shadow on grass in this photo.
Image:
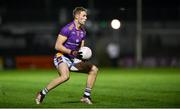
(71, 102)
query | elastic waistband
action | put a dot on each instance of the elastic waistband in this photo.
(58, 54)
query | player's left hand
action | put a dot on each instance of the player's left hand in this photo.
(77, 54)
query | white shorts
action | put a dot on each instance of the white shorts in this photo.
(59, 58)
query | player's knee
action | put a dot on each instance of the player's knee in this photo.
(94, 69)
(65, 77)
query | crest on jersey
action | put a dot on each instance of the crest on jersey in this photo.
(73, 33)
(77, 40)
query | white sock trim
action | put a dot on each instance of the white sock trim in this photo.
(87, 94)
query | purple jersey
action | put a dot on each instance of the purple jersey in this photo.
(74, 36)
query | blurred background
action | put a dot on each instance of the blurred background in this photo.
(148, 34)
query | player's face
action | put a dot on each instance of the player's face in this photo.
(82, 17)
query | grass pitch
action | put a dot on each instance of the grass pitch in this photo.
(114, 88)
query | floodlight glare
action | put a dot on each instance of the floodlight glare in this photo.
(115, 24)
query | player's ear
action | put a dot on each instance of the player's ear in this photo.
(76, 16)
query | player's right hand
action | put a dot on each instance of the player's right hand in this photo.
(77, 54)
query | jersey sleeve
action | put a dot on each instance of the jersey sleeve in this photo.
(84, 36)
(64, 31)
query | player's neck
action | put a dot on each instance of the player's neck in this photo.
(78, 26)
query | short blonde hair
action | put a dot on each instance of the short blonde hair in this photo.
(77, 10)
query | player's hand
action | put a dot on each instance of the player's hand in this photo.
(77, 54)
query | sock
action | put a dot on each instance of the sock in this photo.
(87, 92)
(44, 91)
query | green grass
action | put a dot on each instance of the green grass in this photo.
(114, 88)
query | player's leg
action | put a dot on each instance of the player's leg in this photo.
(92, 71)
(63, 76)
(92, 74)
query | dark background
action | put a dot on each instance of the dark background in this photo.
(30, 27)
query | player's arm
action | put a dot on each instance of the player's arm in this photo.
(82, 43)
(59, 44)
